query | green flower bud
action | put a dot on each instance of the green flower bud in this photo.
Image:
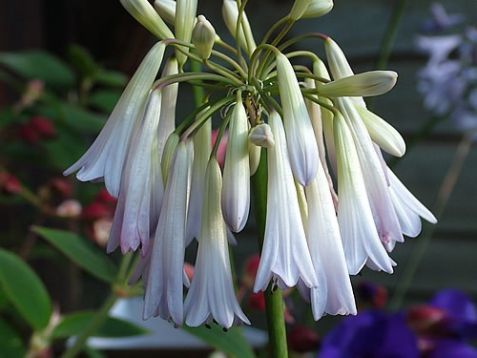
(145, 14)
(186, 11)
(318, 8)
(299, 8)
(203, 37)
(168, 155)
(230, 13)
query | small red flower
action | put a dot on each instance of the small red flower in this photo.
(9, 184)
(302, 339)
(43, 126)
(257, 301)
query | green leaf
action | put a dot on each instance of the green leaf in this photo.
(80, 252)
(111, 78)
(11, 344)
(39, 65)
(24, 290)
(104, 100)
(231, 342)
(82, 60)
(75, 323)
(63, 150)
(82, 120)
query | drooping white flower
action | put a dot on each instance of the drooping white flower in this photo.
(133, 217)
(230, 13)
(164, 288)
(236, 181)
(358, 229)
(298, 9)
(334, 294)
(408, 209)
(166, 10)
(211, 294)
(387, 223)
(202, 149)
(302, 147)
(285, 257)
(106, 156)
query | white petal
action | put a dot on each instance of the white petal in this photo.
(334, 294)
(236, 183)
(285, 252)
(358, 231)
(301, 142)
(106, 156)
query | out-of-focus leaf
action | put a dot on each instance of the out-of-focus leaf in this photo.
(231, 342)
(92, 353)
(80, 252)
(104, 100)
(64, 150)
(24, 290)
(82, 60)
(75, 323)
(39, 65)
(81, 119)
(111, 78)
(10, 342)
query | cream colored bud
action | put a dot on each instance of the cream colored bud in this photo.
(166, 9)
(299, 8)
(203, 37)
(186, 11)
(145, 14)
(262, 136)
(168, 155)
(318, 8)
(254, 156)
(230, 13)
(372, 83)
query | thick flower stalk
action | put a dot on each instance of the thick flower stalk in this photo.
(271, 116)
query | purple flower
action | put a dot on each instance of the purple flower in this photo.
(371, 334)
(452, 348)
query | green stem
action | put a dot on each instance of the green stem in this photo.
(103, 312)
(273, 298)
(445, 192)
(390, 35)
(91, 329)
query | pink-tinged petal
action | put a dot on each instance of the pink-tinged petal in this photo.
(358, 230)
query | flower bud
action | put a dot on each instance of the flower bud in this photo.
(318, 8)
(301, 142)
(186, 11)
(299, 8)
(254, 155)
(145, 14)
(372, 83)
(382, 133)
(203, 37)
(339, 65)
(262, 136)
(168, 154)
(236, 182)
(166, 10)
(230, 13)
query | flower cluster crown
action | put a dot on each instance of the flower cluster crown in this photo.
(333, 205)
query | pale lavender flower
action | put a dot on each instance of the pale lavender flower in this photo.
(164, 285)
(211, 294)
(285, 256)
(106, 157)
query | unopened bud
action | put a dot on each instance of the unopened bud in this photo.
(318, 8)
(372, 83)
(262, 136)
(166, 10)
(69, 209)
(186, 11)
(203, 37)
(145, 14)
(168, 155)
(230, 13)
(299, 8)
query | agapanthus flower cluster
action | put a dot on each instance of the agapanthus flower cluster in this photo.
(448, 82)
(333, 205)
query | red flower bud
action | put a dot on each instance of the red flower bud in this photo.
(9, 184)
(257, 301)
(95, 211)
(302, 339)
(43, 126)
